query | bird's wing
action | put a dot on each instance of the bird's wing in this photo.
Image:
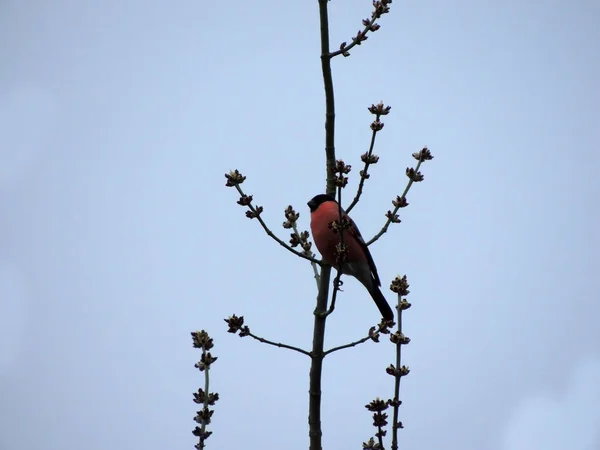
(356, 233)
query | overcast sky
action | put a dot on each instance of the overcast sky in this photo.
(118, 237)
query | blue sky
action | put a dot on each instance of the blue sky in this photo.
(118, 236)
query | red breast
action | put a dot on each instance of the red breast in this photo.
(326, 239)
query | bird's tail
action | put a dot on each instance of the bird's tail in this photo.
(381, 302)
(362, 273)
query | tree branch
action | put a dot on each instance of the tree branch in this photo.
(204, 397)
(279, 344)
(400, 371)
(363, 174)
(236, 326)
(369, 158)
(312, 263)
(400, 286)
(341, 251)
(401, 201)
(373, 335)
(256, 214)
(351, 344)
(379, 8)
(316, 368)
(329, 96)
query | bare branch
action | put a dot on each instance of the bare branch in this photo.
(351, 344)
(341, 251)
(377, 407)
(336, 287)
(329, 96)
(380, 7)
(203, 341)
(316, 368)
(315, 432)
(306, 252)
(279, 344)
(298, 238)
(255, 212)
(373, 335)
(369, 158)
(399, 286)
(413, 176)
(363, 174)
(236, 326)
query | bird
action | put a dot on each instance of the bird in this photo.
(324, 210)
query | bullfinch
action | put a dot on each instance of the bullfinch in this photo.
(359, 262)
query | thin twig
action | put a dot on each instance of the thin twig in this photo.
(380, 436)
(369, 25)
(363, 175)
(205, 408)
(373, 331)
(389, 220)
(336, 287)
(397, 378)
(272, 235)
(279, 344)
(312, 263)
(344, 49)
(202, 340)
(351, 344)
(341, 255)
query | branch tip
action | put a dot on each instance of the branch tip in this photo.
(201, 340)
(380, 7)
(234, 178)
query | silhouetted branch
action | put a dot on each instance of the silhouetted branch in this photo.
(373, 335)
(312, 263)
(341, 250)
(202, 340)
(369, 158)
(379, 8)
(400, 202)
(279, 344)
(399, 286)
(377, 407)
(316, 367)
(234, 179)
(236, 326)
(329, 97)
(297, 238)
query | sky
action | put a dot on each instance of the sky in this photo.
(118, 236)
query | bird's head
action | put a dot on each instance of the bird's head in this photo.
(314, 202)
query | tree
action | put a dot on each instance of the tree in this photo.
(301, 246)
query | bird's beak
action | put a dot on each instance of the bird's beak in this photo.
(311, 205)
